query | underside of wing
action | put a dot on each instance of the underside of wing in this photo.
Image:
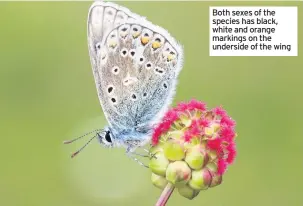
(102, 18)
(140, 63)
(135, 65)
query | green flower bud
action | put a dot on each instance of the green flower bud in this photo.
(212, 129)
(188, 192)
(212, 167)
(194, 142)
(193, 147)
(196, 158)
(158, 181)
(158, 164)
(212, 154)
(185, 120)
(200, 180)
(176, 134)
(216, 180)
(155, 149)
(173, 150)
(178, 173)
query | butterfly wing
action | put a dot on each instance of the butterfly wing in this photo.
(102, 18)
(136, 65)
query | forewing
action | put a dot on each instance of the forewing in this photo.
(135, 65)
(139, 65)
(102, 18)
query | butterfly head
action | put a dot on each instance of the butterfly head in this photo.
(106, 138)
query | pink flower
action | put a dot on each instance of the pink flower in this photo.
(219, 111)
(156, 135)
(227, 121)
(214, 144)
(212, 128)
(187, 136)
(194, 128)
(194, 104)
(171, 115)
(204, 122)
(181, 107)
(222, 166)
(231, 148)
(227, 133)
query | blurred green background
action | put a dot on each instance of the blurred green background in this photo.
(48, 95)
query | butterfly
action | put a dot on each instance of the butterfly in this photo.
(135, 66)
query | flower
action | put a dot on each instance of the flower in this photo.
(192, 148)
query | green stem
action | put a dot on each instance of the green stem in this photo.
(168, 190)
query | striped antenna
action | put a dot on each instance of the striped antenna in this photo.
(73, 140)
(79, 150)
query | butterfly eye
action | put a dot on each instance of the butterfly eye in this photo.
(107, 137)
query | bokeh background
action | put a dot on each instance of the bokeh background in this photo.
(47, 95)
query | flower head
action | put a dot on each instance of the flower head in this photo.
(196, 147)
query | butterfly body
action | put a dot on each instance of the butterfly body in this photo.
(135, 66)
(128, 138)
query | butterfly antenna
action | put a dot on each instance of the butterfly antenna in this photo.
(73, 140)
(79, 150)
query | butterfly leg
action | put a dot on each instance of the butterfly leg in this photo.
(148, 155)
(151, 155)
(130, 153)
(141, 155)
